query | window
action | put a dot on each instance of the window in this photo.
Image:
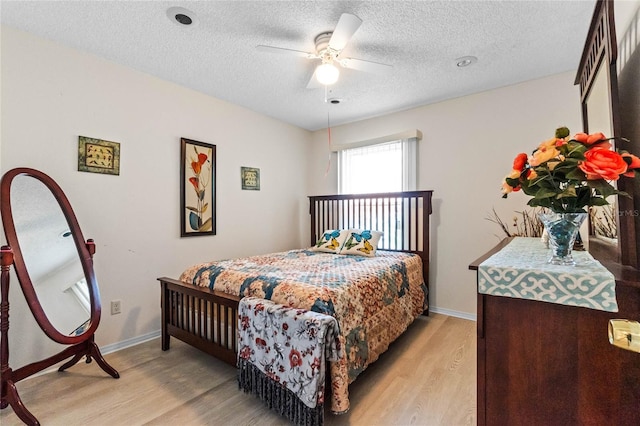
(81, 291)
(378, 167)
(385, 164)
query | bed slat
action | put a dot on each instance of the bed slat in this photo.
(411, 210)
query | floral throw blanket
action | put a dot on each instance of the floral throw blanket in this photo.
(374, 299)
(282, 354)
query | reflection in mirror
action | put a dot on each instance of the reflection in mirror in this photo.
(50, 255)
(598, 80)
(603, 219)
(54, 266)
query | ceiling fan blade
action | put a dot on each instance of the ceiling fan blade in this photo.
(346, 28)
(282, 50)
(367, 66)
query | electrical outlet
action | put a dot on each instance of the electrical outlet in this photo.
(116, 307)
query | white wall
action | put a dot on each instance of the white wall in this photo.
(468, 147)
(51, 94)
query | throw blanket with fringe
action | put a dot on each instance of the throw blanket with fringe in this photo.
(282, 355)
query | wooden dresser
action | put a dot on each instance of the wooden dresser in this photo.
(543, 363)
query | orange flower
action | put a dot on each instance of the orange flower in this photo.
(506, 188)
(589, 139)
(600, 163)
(544, 153)
(569, 175)
(549, 143)
(197, 165)
(520, 161)
(515, 174)
(635, 164)
(194, 182)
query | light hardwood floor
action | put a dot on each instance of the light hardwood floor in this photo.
(428, 377)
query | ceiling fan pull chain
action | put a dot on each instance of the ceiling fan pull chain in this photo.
(326, 172)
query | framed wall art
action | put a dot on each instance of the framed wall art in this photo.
(98, 156)
(250, 178)
(197, 188)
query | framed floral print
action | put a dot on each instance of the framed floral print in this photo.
(98, 156)
(197, 188)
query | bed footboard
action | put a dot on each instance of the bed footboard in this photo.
(203, 318)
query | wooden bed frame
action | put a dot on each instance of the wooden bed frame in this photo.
(207, 319)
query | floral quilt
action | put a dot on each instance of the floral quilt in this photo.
(374, 299)
(282, 354)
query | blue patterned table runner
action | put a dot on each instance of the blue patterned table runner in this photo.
(520, 270)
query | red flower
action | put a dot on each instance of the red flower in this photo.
(295, 359)
(197, 165)
(635, 163)
(245, 352)
(244, 321)
(285, 326)
(194, 182)
(520, 161)
(261, 342)
(589, 139)
(315, 364)
(602, 163)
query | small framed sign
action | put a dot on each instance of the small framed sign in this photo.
(98, 156)
(250, 178)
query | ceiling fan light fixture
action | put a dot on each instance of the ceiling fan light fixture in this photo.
(327, 74)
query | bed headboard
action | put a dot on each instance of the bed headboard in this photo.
(403, 217)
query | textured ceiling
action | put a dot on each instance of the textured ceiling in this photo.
(514, 41)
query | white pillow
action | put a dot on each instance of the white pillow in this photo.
(361, 242)
(331, 241)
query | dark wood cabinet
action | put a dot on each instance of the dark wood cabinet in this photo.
(542, 364)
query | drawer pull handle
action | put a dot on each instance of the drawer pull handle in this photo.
(625, 334)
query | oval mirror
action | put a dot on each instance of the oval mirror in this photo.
(51, 258)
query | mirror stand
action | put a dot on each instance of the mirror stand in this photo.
(9, 377)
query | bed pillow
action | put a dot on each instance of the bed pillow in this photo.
(331, 241)
(361, 242)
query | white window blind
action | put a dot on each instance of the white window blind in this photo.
(379, 167)
(80, 290)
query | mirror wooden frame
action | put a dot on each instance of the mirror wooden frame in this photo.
(82, 344)
(600, 54)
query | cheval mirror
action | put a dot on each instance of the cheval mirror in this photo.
(54, 266)
(612, 232)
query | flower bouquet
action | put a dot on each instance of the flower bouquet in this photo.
(567, 175)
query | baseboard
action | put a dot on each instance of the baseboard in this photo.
(452, 313)
(129, 342)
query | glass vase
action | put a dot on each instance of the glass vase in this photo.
(562, 229)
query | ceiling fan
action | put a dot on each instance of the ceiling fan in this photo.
(329, 46)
